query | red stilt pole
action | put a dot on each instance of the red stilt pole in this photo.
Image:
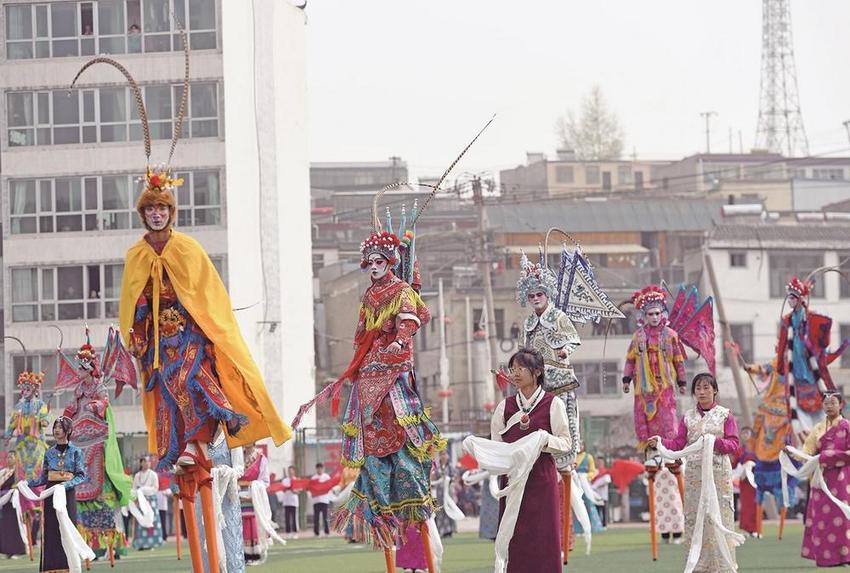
(782, 513)
(426, 546)
(758, 520)
(389, 559)
(652, 524)
(178, 536)
(28, 525)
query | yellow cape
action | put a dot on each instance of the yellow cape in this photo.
(201, 292)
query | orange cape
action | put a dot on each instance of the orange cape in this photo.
(201, 292)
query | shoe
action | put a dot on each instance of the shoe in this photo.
(677, 541)
(185, 459)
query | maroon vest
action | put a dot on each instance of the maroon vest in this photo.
(539, 418)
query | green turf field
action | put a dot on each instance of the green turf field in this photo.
(614, 551)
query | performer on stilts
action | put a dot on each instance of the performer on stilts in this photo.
(177, 320)
(655, 362)
(387, 432)
(108, 487)
(25, 434)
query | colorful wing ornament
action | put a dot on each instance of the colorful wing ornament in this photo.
(694, 322)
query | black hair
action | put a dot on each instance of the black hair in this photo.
(66, 425)
(704, 376)
(320, 465)
(531, 359)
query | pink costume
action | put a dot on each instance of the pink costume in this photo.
(655, 361)
(825, 540)
(256, 468)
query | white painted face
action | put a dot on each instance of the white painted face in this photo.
(653, 316)
(378, 266)
(793, 301)
(538, 300)
(157, 216)
(27, 392)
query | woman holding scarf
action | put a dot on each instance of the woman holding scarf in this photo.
(63, 464)
(709, 513)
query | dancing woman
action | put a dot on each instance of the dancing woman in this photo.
(707, 438)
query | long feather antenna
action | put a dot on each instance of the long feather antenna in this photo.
(181, 112)
(137, 93)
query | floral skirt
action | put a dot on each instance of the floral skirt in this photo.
(149, 537)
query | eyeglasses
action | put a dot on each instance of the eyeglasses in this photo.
(515, 370)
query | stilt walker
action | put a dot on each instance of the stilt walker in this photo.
(655, 362)
(25, 432)
(549, 330)
(388, 433)
(176, 319)
(108, 487)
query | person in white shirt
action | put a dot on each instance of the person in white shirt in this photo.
(290, 503)
(320, 502)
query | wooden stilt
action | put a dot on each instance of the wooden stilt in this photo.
(28, 525)
(194, 536)
(782, 511)
(178, 536)
(88, 565)
(652, 523)
(389, 558)
(208, 512)
(426, 546)
(111, 551)
(566, 516)
(758, 520)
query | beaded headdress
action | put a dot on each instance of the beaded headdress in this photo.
(799, 288)
(534, 277)
(650, 296)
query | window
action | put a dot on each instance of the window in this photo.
(844, 289)
(738, 260)
(597, 378)
(104, 203)
(564, 174)
(591, 174)
(830, 174)
(66, 293)
(844, 331)
(108, 114)
(783, 266)
(42, 362)
(624, 175)
(68, 29)
(478, 319)
(742, 335)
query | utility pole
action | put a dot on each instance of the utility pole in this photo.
(444, 359)
(469, 370)
(731, 359)
(707, 116)
(486, 269)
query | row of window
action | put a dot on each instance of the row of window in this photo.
(70, 292)
(67, 29)
(104, 203)
(593, 175)
(108, 114)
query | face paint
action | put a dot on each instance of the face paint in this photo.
(653, 316)
(378, 266)
(538, 300)
(157, 216)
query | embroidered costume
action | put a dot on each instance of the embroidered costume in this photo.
(718, 422)
(60, 462)
(254, 544)
(26, 426)
(387, 432)
(825, 540)
(107, 487)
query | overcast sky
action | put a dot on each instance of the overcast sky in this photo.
(418, 78)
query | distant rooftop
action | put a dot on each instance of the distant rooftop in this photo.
(767, 235)
(357, 164)
(583, 216)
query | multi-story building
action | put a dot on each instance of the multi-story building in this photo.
(754, 258)
(71, 162)
(780, 183)
(566, 175)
